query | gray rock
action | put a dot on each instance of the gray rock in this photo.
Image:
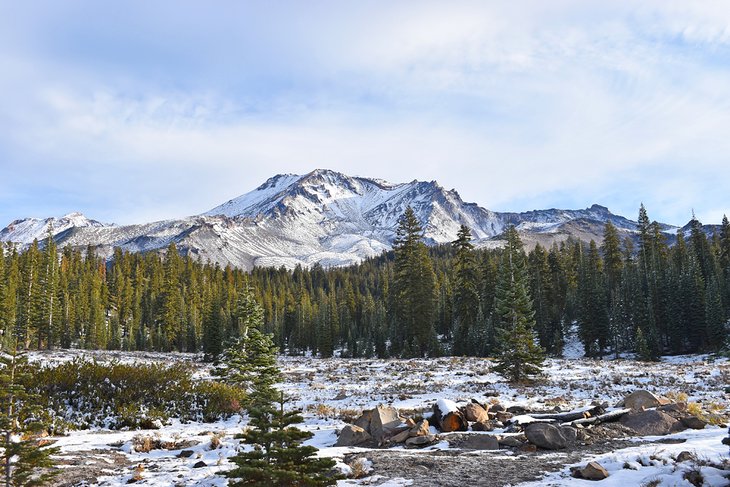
(685, 456)
(482, 426)
(185, 454)
(479, 442)
(570, 433)
(650, 423)
(594, 471)
(383, 422)
(512, 441)
(546, 436)
(693, 422)
(364, 420)
(352, 435)
(420, 440)
(200, 464)
(641, 399)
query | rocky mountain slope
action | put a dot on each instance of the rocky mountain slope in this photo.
(323, 216)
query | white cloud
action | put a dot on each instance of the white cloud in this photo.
(520, 106)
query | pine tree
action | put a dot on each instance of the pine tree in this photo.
(23, 461)
(250, 360)
(466, 292)
(519, 357)
(278, 457)
(414, 288)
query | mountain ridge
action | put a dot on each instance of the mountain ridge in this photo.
(323, 217)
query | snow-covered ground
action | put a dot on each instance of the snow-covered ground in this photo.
(333, 391)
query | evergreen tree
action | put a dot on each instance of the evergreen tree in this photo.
(519, 357)
(413, 289)
(23, 462)
(278, 457)
(250, 360)
(466, 293)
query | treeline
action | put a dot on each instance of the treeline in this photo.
(646, 297)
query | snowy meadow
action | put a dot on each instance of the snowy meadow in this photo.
(334, 392)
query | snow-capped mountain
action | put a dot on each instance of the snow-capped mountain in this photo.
(29, 229)
(321, 217)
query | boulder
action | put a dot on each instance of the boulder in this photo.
(482, 426)
(651, 423)
(513, 441)
(364, 420)
(546, 435)
(570, 433)
(401, 437)
(495, 408)
(200, 464)
(479, 442)
(352, 435)
(594, 471)
(422, 428)
(475, 413)
(641, 399)
(503, 416)
(693, 422)
(420, 440)
(384, 420)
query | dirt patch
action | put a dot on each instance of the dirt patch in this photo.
(453, 468)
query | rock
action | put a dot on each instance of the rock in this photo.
(685, 456)
(479, 442)
(401, 437)
(482, 426)
(364, 420)
(384, 420)
(495, 408)
(594, 471)
(422, 428)
(570, 433)
(420, 440)
(546, 436)
(185, 454)
(200, 464)
(650, 423)
(641, 399)
(475, 413)
(352, 435)
(517, 410)
(693, 422)
(675, 409)
(512, 441)
(503, 416)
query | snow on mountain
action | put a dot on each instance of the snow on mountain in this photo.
(26, 230)
(321, 217)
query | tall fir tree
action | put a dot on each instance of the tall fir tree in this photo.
(465, 293)
(519, 356)
(413, 289)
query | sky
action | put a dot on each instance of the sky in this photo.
(137, 111)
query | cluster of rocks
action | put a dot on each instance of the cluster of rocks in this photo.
(382, 427)
(640, 413)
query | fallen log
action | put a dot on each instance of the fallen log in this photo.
(571, 416)
(603, 418)
(447, 417)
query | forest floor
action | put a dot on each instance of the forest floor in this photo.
(332, 392)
